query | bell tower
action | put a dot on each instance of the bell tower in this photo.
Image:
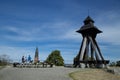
(89, 53)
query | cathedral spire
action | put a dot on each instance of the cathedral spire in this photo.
(36, 59)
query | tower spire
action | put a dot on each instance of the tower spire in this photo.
(36, 58)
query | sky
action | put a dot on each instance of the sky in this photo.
(52, 24)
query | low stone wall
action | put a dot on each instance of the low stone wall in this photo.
(28, 65)
(114, 70)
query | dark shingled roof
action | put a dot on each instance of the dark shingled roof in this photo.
(89, 26)
(88, 19)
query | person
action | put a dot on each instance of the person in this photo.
(23, 59)
(29, 58)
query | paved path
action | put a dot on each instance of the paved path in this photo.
(56, 73)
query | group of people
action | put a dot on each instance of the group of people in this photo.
(25, 59)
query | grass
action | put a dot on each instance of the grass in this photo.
(93, 74)
(1, 67)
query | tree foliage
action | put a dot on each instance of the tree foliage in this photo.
(4, 60)
(117, 63)
(113, 64)
(55, 58)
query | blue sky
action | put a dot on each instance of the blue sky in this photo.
(51, 25)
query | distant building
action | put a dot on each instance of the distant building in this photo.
(36, 58)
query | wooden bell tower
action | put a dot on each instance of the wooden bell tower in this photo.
(89, 53)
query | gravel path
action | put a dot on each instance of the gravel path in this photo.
(56, 73)
(115, 70)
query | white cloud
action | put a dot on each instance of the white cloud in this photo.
(109, 23)
(15, 53)
(61, 31)
(71, 34)
(45, 31)
(110, 35)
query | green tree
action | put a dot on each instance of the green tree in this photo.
(4, 60)
(118, 63)
(113, 64)
(55, 58)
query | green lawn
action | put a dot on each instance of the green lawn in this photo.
(93, 74)
(1, 67)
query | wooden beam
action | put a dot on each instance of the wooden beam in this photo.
(83, 48)
(87, 50)
(94, 48)
(92, 52)
(99, 50)
(78, 56)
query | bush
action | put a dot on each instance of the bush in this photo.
(118, 63)
(113, 64)
(55, 58)
(4, 59)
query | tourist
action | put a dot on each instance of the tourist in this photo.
(23, 59)
(29, 58)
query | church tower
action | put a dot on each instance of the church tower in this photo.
(36, 58)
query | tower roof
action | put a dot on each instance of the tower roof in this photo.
(89, 27)
(88, 19)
